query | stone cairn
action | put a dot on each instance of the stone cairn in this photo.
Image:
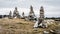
(16, 13)
(23, 15)
(41, 18)
(10, 15)
(31, 14)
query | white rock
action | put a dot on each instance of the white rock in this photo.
(15, 17)
(46, 32)
(49, 22)
(36, 24)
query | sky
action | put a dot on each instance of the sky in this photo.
(51, 7)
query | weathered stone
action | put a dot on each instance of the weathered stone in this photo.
(41, 18)
(36, 24)
(46, 32)
(31, 14)
(53, 32)
(16, 13)
(23, 15)
(41, 14)
(40, 21)
(10, 14)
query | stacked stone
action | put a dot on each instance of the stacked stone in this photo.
(10, 14)
(42, 13)
(41, 22)
(23, 15)
(31, 14)
(16, 13)
(41, 18)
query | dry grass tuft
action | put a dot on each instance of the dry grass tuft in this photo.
(20, 26)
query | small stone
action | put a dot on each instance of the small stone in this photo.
(46, 32)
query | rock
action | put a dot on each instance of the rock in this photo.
(16, 13)
(10, 15)
(52, 31)
(46, 32)
(31, 14)
(36, 24)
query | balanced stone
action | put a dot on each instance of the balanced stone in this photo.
(23, 15)
(41, 18)
(16, 13)
(10, 15)
(31, 14)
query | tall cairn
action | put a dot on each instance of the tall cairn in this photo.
(16, 13)
(23, 15)
(41, 18)
(42, 13)
(31, 13)
(10, 15)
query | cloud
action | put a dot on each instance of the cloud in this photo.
(51, 7)
(9, 3)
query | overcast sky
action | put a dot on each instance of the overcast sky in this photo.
(51, 7)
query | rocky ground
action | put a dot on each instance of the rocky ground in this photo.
(20, 26)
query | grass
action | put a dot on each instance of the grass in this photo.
(20, 26)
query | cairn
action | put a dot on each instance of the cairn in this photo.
(31, 14)
(23, 15)
(40, 21)
(41, 18)
(10, 15)
(16, 13)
